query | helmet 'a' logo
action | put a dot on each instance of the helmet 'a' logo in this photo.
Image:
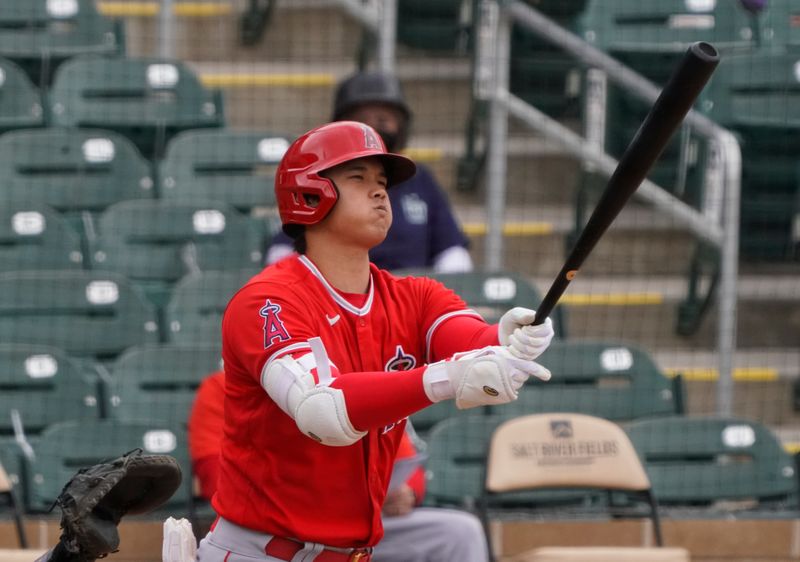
(401, 361)
(273, 325)
(371, 139)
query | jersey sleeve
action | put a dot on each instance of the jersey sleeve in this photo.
(438, 304)
(262, 321)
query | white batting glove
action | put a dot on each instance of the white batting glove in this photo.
(491, 375)
(524, 341)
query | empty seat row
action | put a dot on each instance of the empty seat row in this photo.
(711, 464)
(82, 172)
(148, 100)
(40, 35)
(97, 315)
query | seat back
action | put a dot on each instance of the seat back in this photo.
(41, 34)
(20, 100)
(160, 382)
(148, 100)
(440, 25)
(234, 167)
(640, 27)
(563, 450)
(780, 32)
(68, 446)
(757, 96)
(95, 314)
(493, 293)
(45, 386)
(155, 243)
(72, 170)
(609, 380)
(35, 237)
(700, 461)
(456, 458)
(194, 313)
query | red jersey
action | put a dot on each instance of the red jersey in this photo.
(275, 479)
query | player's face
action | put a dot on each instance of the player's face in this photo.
(362, 214)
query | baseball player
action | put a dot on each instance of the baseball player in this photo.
(424, 232)
(315, 406)
(410, 532)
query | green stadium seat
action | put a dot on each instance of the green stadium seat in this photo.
(540, 73)
(160, 382)
(148, 100)
(234, 167)
(456, 459)
(757, 95)
(642, 28)
(87, 314)
(20, 101)
(72, 170)
(780, 30)
(194, 313)
(650, 36)
(457, 449)
(41, 34)
(45, 386)
(704, 461)
(36, 237)
(493, 293)
(155, 243)
(566, 451)
(610, 380)
(68, 446)
(435, 25)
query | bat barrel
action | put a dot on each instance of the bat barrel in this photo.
(675, 101)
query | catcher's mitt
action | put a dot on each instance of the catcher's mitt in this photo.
(96, 498)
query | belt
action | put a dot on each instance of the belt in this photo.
(284, 549)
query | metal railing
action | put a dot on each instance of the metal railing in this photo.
(717, 225)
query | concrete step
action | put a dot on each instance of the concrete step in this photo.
(298, 31)
(295, 96)
(640, 242)
(769, 402)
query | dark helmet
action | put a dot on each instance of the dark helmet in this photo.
(369, 87)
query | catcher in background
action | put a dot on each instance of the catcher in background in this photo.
(326, 356)
(424, 232)
(410, 532)
(95, 500)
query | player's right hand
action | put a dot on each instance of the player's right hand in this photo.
(491, 375)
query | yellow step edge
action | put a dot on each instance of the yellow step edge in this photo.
(421, 154)
(742, 374)
(612, 299)
(792, 448)
(511, 228)
(235, 80)
(111, 8)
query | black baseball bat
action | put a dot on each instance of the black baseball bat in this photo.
(672, 105)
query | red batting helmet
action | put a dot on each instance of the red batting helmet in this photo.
(321, 149)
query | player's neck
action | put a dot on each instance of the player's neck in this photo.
(347, 270)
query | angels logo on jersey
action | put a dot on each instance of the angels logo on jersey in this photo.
(401, 361)
(273, 325)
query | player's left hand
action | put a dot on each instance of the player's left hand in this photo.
(525, 341)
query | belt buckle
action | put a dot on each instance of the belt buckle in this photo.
(359, 556)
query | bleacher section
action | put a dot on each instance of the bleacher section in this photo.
(135, 200)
